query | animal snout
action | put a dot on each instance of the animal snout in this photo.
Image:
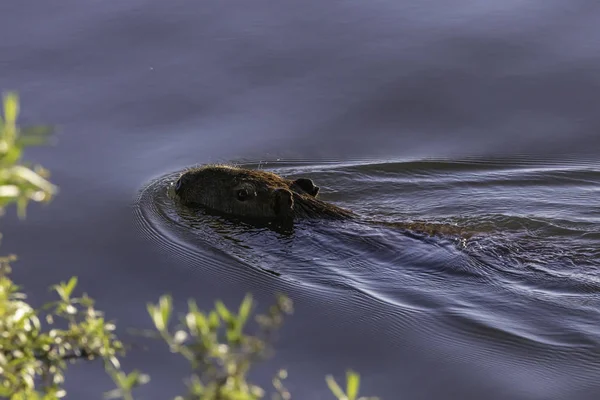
(179, 184)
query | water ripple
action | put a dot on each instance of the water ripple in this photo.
(525, 283)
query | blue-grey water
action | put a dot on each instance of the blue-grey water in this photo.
(479, 114)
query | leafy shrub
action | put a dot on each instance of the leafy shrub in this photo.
(36, 346)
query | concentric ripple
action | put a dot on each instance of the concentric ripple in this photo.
(527, 281)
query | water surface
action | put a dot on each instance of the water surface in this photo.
(482, 115)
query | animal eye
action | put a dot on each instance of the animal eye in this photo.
(242, 194)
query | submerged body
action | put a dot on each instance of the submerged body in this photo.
(265, 196)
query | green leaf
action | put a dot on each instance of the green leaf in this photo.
(131, 379)
(245, 308)
(166, 306)
(114, 394)
(200, 323)
(192, 306)
(33, 178)
(64, 290)
(68, 288)
(233, 336)
(335, 388)
(11, 108)
(223, 311)
(12, 155)
(213, 320)
(352, 384)
(155, 315)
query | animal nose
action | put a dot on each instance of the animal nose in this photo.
(179, 184)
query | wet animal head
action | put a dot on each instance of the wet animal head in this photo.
(251, 193)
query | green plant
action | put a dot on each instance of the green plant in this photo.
(218, 349)
(75, 330)
(20, 183)
(30, 353)
(352, 385)
(221, 353)
(36, 346)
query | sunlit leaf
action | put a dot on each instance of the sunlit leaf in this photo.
(11, 107)
(33, 178)
(192, 306)
(335, 388)
(68, 288)
(143, 379)
(155, 315)
(12, 155)
(166, 305)
(213, 320)
(114, 394)
(200, 323)
(115, 362)
(245, 308)
(233, 336)
(180, 337)
(60, 290)
(9, 192)
(131, 379)
(223, 311)
(352, 384)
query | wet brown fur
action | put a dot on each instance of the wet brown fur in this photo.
(271, 197)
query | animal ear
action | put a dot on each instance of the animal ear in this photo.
(307, 185)
(284, 202)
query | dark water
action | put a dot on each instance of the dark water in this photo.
(482, 115)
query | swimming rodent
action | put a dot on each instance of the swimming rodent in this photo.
(265, 196)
